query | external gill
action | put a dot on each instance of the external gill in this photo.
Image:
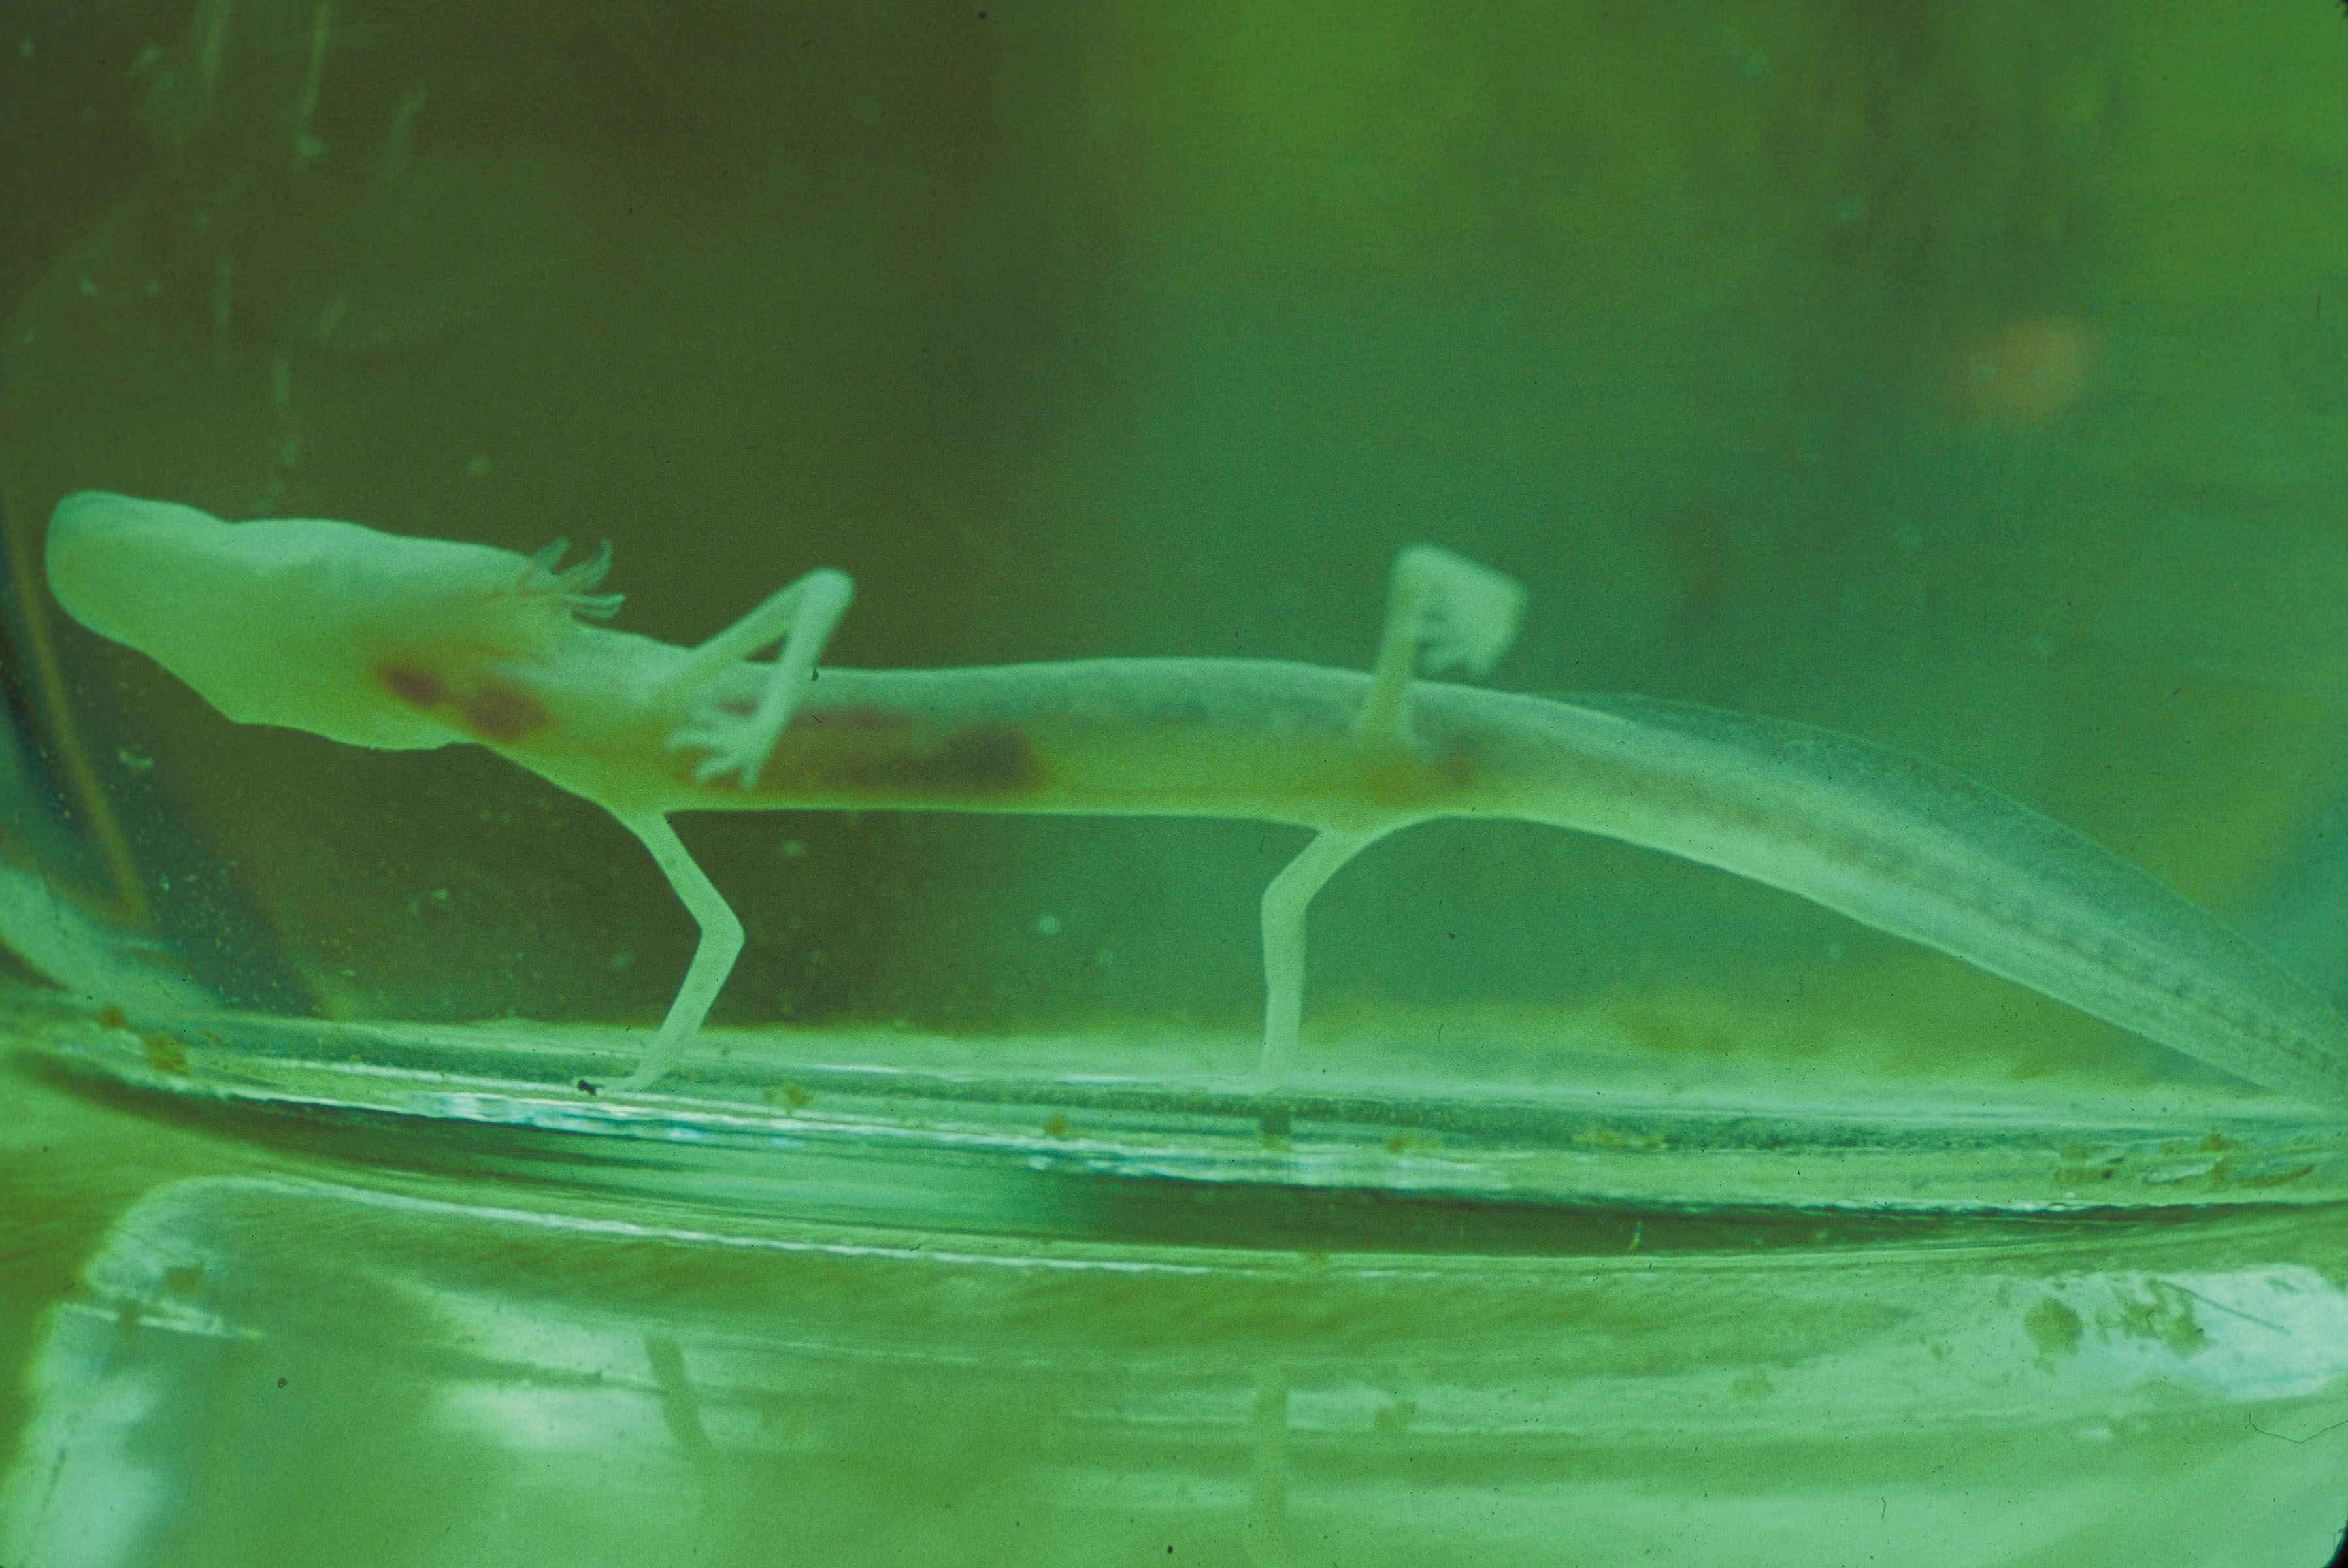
(573, 584)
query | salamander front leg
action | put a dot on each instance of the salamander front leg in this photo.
(802, 617)
(713, 957)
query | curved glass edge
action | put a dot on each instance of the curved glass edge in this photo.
(993, 1132)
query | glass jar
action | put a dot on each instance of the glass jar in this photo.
(433, 1300)
(1920, 376)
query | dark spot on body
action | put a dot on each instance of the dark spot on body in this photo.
(1401, 780)
(863, 718)
(985, 758)
(112, 1017)
(416, 687)
(501, 713)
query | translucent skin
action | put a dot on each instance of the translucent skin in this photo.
(385, 641)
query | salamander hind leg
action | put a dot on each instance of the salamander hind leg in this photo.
(1450, 613)
(1444, 612)
(1284, 904)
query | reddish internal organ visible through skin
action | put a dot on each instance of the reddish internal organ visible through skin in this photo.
(876, 751)
(417, 688)
(493, 711)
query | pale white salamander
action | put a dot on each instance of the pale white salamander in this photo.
(378, 639)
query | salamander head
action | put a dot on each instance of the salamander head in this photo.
(282, 623)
